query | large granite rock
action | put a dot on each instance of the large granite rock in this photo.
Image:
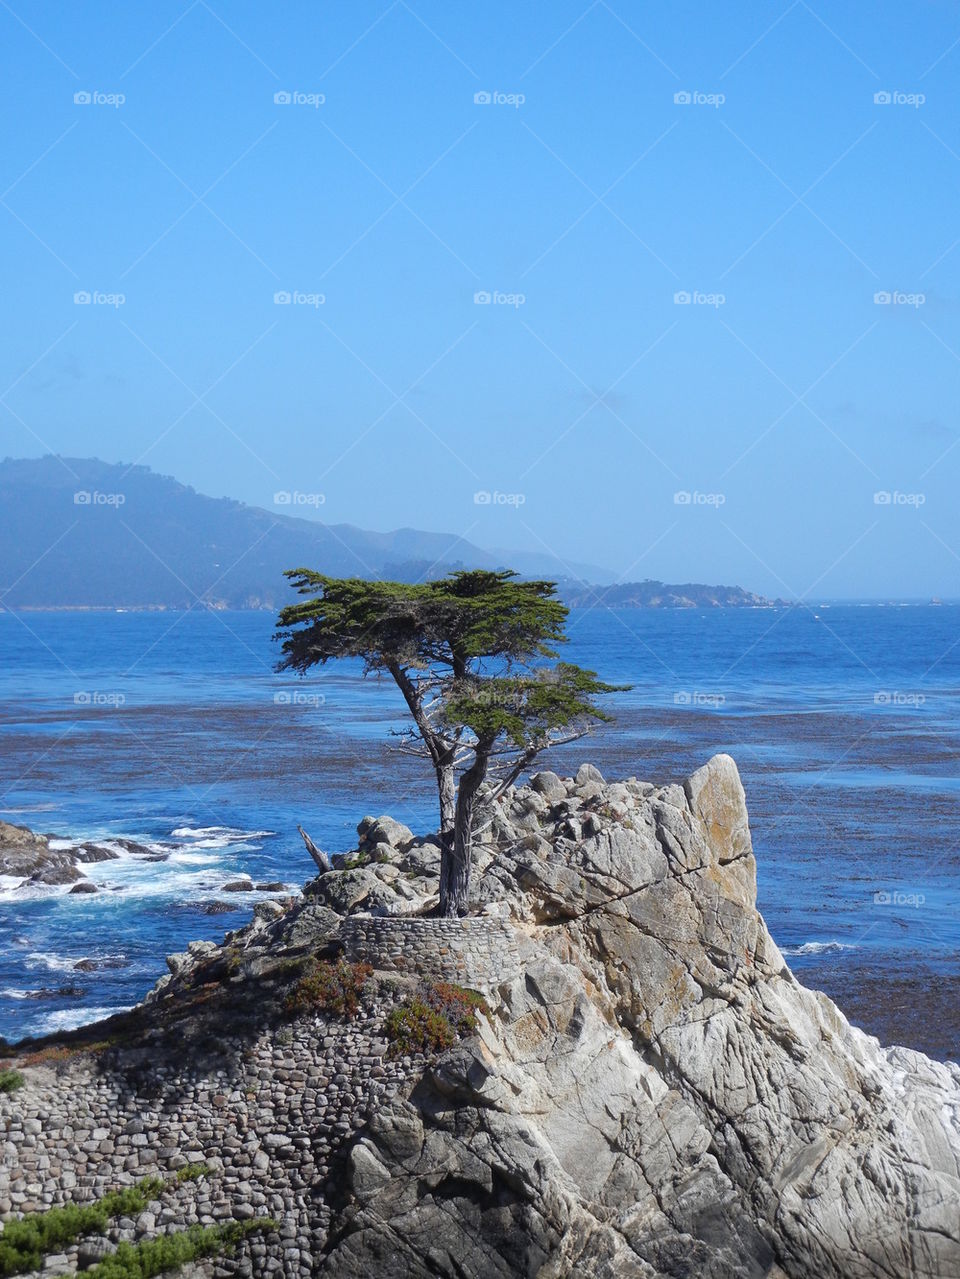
(657, 1095)
(654, 1096)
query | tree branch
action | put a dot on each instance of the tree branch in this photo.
(323, 861)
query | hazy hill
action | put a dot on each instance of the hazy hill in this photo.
(81, 533)
(78, 532)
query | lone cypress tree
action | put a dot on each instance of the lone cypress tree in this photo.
(471, 655)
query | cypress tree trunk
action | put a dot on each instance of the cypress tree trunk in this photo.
(456, 863)
(447, 788)
(447, 785)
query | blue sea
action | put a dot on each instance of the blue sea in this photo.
(173, 730)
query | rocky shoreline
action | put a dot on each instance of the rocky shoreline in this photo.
(652, 1094)
(34, 860)
(52, 861)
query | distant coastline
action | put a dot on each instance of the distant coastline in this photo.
(637, 595)
(654, 594)
(583, 596)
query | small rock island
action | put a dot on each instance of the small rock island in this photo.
(605, 1069)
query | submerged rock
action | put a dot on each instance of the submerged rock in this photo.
(94, 853)
(56, 870)
(104, 964)
(58, 992)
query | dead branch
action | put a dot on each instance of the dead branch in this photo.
(319, 856)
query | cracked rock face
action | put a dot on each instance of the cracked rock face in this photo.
(656, 1095)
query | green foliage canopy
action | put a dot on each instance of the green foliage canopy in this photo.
(452, 621)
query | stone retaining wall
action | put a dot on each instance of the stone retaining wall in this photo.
(271, 1121)
(477, 952)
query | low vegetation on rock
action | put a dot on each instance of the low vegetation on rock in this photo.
(25, 1243)
(335, 988)
(168, 1253)
(433, 1019)
(10, 1080)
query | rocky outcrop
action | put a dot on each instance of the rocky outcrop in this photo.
(653, 1095)
(31, 858)
(27, 856)
(659, 1094)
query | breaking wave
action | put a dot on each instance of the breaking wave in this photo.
(818, 948)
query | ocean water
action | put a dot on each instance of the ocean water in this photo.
(172, 729)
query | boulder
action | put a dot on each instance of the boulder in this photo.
(549, 786)
(20, 837)
(384, 830)
(345, 891)
(308, 926)
(28, 856)
(55, 870)
(268, 910)
(89, 853)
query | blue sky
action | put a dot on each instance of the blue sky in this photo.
(583, 198)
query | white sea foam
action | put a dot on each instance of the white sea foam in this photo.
(197, 861)
(72, 1018)
(218, 832)
(818, 948)
(56, 963)
(222, 841)
(24, 891)
(9, 992)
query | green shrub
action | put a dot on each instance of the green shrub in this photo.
(24, 1243)
(459, 1005)
(434, 1019)
(330, 988)
(415, 1027)
(10, 1080)
(191, 1172)
(170, 1252)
